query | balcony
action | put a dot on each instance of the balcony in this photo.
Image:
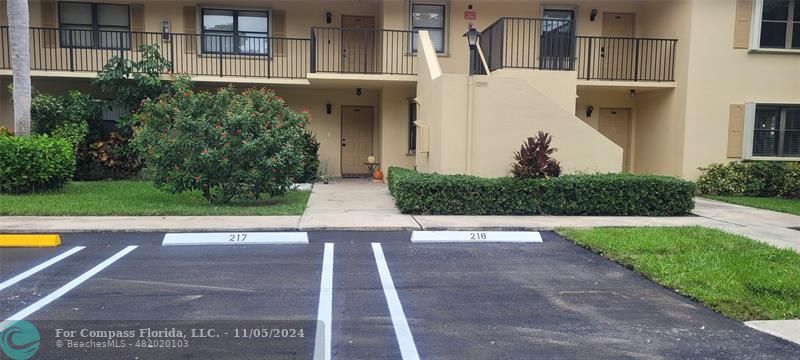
(82, 53)
(550, 44)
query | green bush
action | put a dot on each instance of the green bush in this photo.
(34, 163)
(65, 117)
(310, 147)
(225, 144)
(791, 183)
(604, 194)
(754, 178)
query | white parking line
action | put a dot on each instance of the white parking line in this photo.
(322, 346)
(40, 267)
(404, 339)
(64, 289)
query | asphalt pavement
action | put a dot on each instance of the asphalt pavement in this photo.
(356, 295)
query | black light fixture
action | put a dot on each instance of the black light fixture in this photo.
(632, 93)
(358, 91)
(472, 36)
(328, 108)
(589, 111)
(593, 15)
(328, 17)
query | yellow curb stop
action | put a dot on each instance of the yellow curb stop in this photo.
(29, 240)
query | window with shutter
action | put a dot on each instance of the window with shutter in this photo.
(93, 25)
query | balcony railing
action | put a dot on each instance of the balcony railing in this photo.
(529, 43)
(631, 59)
(551, 44)
(363, 51)
(211, 55)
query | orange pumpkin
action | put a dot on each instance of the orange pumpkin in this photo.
(377, 175)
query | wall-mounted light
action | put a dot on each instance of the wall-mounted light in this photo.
(589, 111)
(328, 108)
(358, 92)
(472, 36)
(593, 15)
(632, 93)
(328, 17)
(165, 30)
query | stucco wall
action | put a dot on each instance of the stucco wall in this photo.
(507, 110)
(720, 75)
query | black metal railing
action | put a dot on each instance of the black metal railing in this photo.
(529, 43)
(213, 55)
(631, 59)
(363, 51)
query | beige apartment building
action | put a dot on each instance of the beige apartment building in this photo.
(646, 86)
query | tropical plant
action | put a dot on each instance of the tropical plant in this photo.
(19, 36)
(226, 145)
(108, 158)
(129, 82)
(534, 159)
(310, 158)
(66, 117)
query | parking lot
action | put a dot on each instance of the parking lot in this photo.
(375, 296)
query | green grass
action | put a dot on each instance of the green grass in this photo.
(108, 198)
(736, 276)
(789, 206)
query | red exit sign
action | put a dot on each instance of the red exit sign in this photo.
(470, 15)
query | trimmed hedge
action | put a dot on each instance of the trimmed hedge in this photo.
(603, 194)
(752, 178)
(34, 163)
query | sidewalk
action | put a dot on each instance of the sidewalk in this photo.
(763, 225)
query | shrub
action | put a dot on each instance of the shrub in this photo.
(109, 158)
(226, 145)
(310, 165)
(604, 194)
(34, 163)
(754, 178)
(534, 159)
(4, 131)
(791, 184)
(65, 117)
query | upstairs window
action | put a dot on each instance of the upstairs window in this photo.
(235, 32)
(92, 25)
(776, 131)
(430, 17)
(780, 24)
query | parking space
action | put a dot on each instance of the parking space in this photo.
(380, 296)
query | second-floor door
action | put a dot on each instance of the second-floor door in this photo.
(358, 44)
(618, 48)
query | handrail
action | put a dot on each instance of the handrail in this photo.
(363, 51)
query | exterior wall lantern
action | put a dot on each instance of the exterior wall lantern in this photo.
(328, 17)
(593, 15)
(473, 35)
(589, 111)
(328, 108)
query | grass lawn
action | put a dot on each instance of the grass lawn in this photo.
(108, 198)
(789, 206)
(736, 276)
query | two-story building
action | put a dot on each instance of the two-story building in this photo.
(655, 86)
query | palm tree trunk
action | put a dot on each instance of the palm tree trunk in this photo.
(18, 20)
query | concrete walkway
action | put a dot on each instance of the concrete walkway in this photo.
(763, 225)
(353, 204)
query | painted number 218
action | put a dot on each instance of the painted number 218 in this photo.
(237, 237)
(477, 236)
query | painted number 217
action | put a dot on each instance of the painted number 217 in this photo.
(237, 237)
(477, 236)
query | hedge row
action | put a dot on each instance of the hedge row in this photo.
(752, 178)
(605, 194)
(34, 163)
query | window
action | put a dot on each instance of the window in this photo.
(429, 17)
(776, 131)
(412, 127)
(780, 24)
(235, 32)
(91, 25)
